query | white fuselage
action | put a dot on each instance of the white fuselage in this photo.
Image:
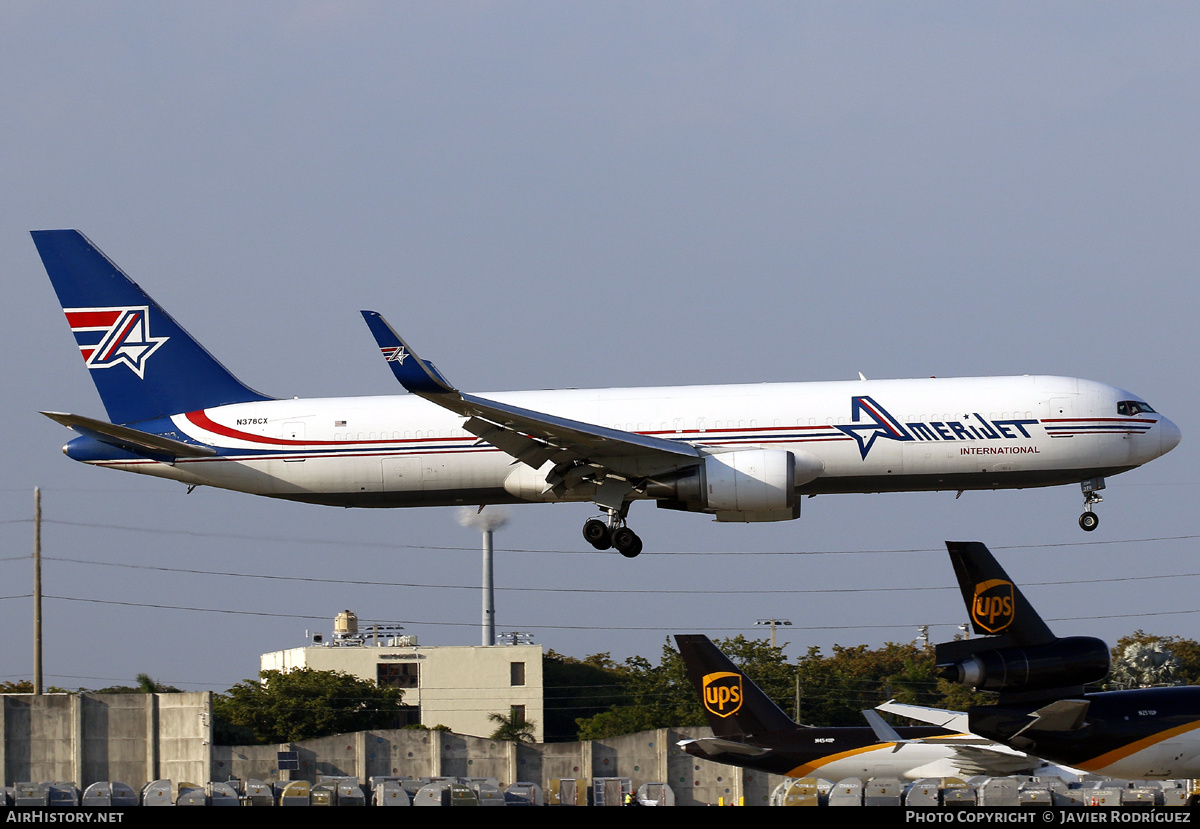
(857, 436)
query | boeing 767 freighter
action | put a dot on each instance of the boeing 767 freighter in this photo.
(734, 452)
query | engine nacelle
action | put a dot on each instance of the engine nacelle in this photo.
(747, 485)
(750, 480)
(1072, 661)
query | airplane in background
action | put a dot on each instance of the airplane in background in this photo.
(1139, 734)
(735, 452)
(749, 730)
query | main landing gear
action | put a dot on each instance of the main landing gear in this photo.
(1091, 495)
(613, 534)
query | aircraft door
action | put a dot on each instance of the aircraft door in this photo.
(402, 474)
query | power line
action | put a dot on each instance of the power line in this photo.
(342, 543)
(598, 590)
(739, 629)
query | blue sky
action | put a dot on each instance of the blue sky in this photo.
(547, 195)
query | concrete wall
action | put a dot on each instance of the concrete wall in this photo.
(136, 738)
(651, 756)
(85, 738)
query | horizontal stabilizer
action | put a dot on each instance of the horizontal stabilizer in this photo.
(950, 720)
(131, 440)
(1061, 715)
(712, 747)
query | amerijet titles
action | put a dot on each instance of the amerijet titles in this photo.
(882, 425)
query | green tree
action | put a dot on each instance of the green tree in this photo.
(577, 689)
(1186, 653)
(836, 689)
(513, 727)
(303, 703)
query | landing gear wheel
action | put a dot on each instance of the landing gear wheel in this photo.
(627, 542)
(596, 533)
(1089, 521)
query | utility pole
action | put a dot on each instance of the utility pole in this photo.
(37, 590)
(773, 623)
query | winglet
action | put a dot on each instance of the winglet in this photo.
(884, 732)
(416, 375)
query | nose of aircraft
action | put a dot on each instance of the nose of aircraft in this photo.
(1168, 435)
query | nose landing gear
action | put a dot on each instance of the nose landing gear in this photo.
(613, 534)
(1091, 495)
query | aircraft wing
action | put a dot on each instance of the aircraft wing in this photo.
(531, 437)
(972, 754)
(994, 760)
(131, 440)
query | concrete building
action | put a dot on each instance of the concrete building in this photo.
(453, 686)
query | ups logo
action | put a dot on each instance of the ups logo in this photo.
(993, 608)
(723, 693)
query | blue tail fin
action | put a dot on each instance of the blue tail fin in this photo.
(143, 363)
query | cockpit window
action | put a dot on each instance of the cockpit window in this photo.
(1133, 407)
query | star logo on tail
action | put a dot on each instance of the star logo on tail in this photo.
(395, 354)
(110, 337)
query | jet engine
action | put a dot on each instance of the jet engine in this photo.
(746, 485)
(1071, 661)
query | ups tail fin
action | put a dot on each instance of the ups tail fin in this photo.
(734, 705)
(1018, 656)
(995, 605)
(143, 363)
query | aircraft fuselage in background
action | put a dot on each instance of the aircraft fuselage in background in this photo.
(1039, 679)
(751, 731)
(1137, 734)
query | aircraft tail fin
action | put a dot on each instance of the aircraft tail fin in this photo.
(144, 364)
(1017, 656)
(994, 604)
(734, 705)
